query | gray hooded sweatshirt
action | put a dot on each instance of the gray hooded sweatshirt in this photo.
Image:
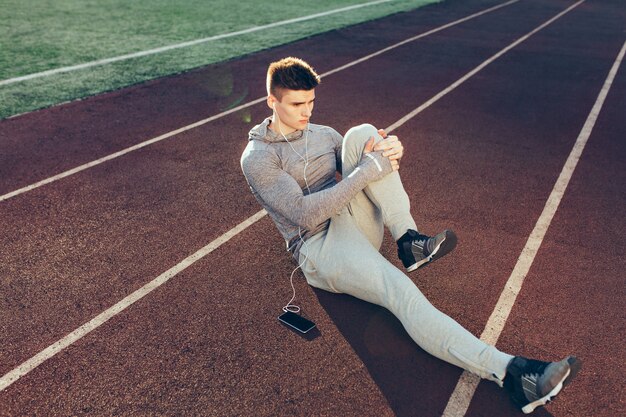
(301, 202)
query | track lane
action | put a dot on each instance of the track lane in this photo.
(574, 291)
(225, 355)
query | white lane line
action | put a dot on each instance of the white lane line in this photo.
(461, 397)
(122, 305)
(184, 44)
(235, 109)
(61, 344)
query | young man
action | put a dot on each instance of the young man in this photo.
(335, 229)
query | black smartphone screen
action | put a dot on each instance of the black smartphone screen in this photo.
(296, 321)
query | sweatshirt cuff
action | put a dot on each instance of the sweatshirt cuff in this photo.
(370, 156)
(376, 165)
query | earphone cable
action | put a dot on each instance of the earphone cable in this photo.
(289, 306)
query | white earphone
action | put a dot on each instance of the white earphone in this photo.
(292, 307)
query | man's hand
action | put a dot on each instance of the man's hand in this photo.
(391, 147)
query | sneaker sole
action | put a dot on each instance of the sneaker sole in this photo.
(445, 247)
(574, 367)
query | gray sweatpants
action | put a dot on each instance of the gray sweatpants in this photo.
(345, 259)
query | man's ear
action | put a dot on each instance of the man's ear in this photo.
(271, 101)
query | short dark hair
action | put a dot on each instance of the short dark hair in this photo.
(290, 74)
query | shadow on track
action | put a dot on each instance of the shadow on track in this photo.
(413, 382)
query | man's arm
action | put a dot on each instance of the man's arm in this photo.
(281, 192)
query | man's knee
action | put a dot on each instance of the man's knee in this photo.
(353, 144)
(362, 133)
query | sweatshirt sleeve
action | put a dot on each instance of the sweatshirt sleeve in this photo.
(282, 194)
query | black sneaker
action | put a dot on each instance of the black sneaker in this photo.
(534, 383)
(416, 250)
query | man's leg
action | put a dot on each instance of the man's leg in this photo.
(343, 260)
(385, 202)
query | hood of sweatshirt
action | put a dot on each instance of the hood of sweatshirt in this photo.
(264, 133)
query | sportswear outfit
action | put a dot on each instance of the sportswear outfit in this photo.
(335, 229)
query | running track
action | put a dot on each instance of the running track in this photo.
(482, 160)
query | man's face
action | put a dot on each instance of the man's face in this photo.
(294, 110)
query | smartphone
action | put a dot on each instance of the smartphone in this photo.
(296, 321)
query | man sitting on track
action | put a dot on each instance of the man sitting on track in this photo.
(335, 229)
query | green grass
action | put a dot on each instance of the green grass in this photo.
(39, 35)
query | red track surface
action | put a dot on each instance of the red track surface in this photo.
(482, 161)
